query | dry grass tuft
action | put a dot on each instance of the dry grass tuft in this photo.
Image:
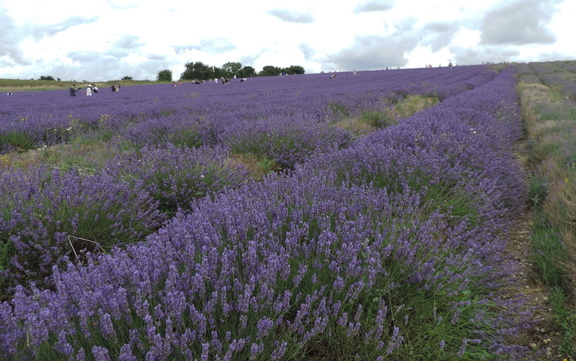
(356, 126)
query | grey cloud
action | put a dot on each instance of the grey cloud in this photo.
(84, 56)
(292, 16)
(522, 22)
(307, 50)
(489, 54)
(128, 42)
(440, 27)
(143, 70)
(95, 66)
(375, 5)
(184, 48)
(374, 52)
(50, 30)
(217, 45)
(156, 57)
(10, 36)
(439, 34)
(249, 60)
(404, 26)
(118, 52)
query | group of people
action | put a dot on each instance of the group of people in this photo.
(222, 80)
(90, 89)
(429, 66)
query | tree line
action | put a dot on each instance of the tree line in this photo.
(200, 71)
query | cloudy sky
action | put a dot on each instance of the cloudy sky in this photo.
(108, 39)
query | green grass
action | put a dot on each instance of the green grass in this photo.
(550, 123)
(386, 115)
(23, 85)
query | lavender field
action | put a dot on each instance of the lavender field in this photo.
(282, 218)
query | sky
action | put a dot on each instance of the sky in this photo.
(109, 39)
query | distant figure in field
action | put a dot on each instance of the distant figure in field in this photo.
(94, 88)
(89, 91)
(354, 72)
(333, 76)
(73, 90)
(450, 64)
(115, 88)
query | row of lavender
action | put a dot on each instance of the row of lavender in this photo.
(540, 72)
(196, 114)
(390, 249)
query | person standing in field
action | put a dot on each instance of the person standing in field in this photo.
(73, 90)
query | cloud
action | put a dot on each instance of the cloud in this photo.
(10, 36)
(374, 52)
(95, 66)
(180, 49)
(216, 45)
(490, 54)
(307, 50)
(522, 22)
(128, 42)
(375, 5)
(292, 16)
(41, 31)
(439, 34)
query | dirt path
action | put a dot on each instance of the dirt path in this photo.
(543, 338)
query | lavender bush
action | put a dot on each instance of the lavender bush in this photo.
(286, 141)
(48, 216)
(179, 130)
(175, 176)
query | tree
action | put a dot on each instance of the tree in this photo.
(247, 72)
(219, 72)
(49, 77)
(197, 71)
(232, 69)
(164, 75)
(270, 70)
(126, 78)
(294, 69)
